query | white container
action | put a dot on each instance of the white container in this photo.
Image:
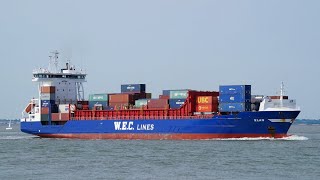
(63, 108)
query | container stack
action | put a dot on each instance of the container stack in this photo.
(177, 98)
(235, 98)
(98, 101)
(47, 99)
(207, 104)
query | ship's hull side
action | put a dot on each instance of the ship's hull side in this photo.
(246, 124)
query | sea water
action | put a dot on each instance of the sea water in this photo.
(24, 156)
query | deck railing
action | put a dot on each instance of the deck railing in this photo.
(143, 117)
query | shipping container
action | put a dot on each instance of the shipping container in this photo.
(46, 103)
(143, 95)
(164, 97)
(176, 103)
(158, 103)
(118, 106)
(65, 108)
(234, 98)
(148, 96)
(179, 94)
(235, 89)
(166, 92)
(60, 117)
(207, 107)
(45, 110)
(48, 96)
(98, 97)
(122, 98)
(104, 104)
(55, 116)
(207, 100)
(234, 107)
(141, 102)
(48, 89)
(137, 88)
(45, 117)
(64, 116)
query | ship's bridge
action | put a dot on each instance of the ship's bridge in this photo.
(45, 76)
(68, 81)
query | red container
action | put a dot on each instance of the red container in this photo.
(64, 116)
(45, 110)
(55, 116)
(122, 98)
(120, 105)
(158, 103)
(48, 89)
(164, 97)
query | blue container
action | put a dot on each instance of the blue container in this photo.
(166, 92)
(176, 103)
(104, 104)
(234, 107)
(235, 89)
(46, 103)
(234, 98)
(133, 88)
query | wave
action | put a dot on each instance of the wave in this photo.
(16, 137)
(289, 138)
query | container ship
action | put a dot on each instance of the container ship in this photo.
(62, 111)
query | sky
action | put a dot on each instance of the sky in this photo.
(167, 44)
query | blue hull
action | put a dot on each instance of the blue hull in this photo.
(245, 124)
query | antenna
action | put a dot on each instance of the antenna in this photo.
(55, 62)
(281, 93)
(50, 63)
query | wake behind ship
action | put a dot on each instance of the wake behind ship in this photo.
(61, 111)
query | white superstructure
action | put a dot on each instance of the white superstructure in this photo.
(280, 104)
(68, 83)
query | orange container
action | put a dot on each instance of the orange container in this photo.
(207, 100)
(48, 89)
(204, 100)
